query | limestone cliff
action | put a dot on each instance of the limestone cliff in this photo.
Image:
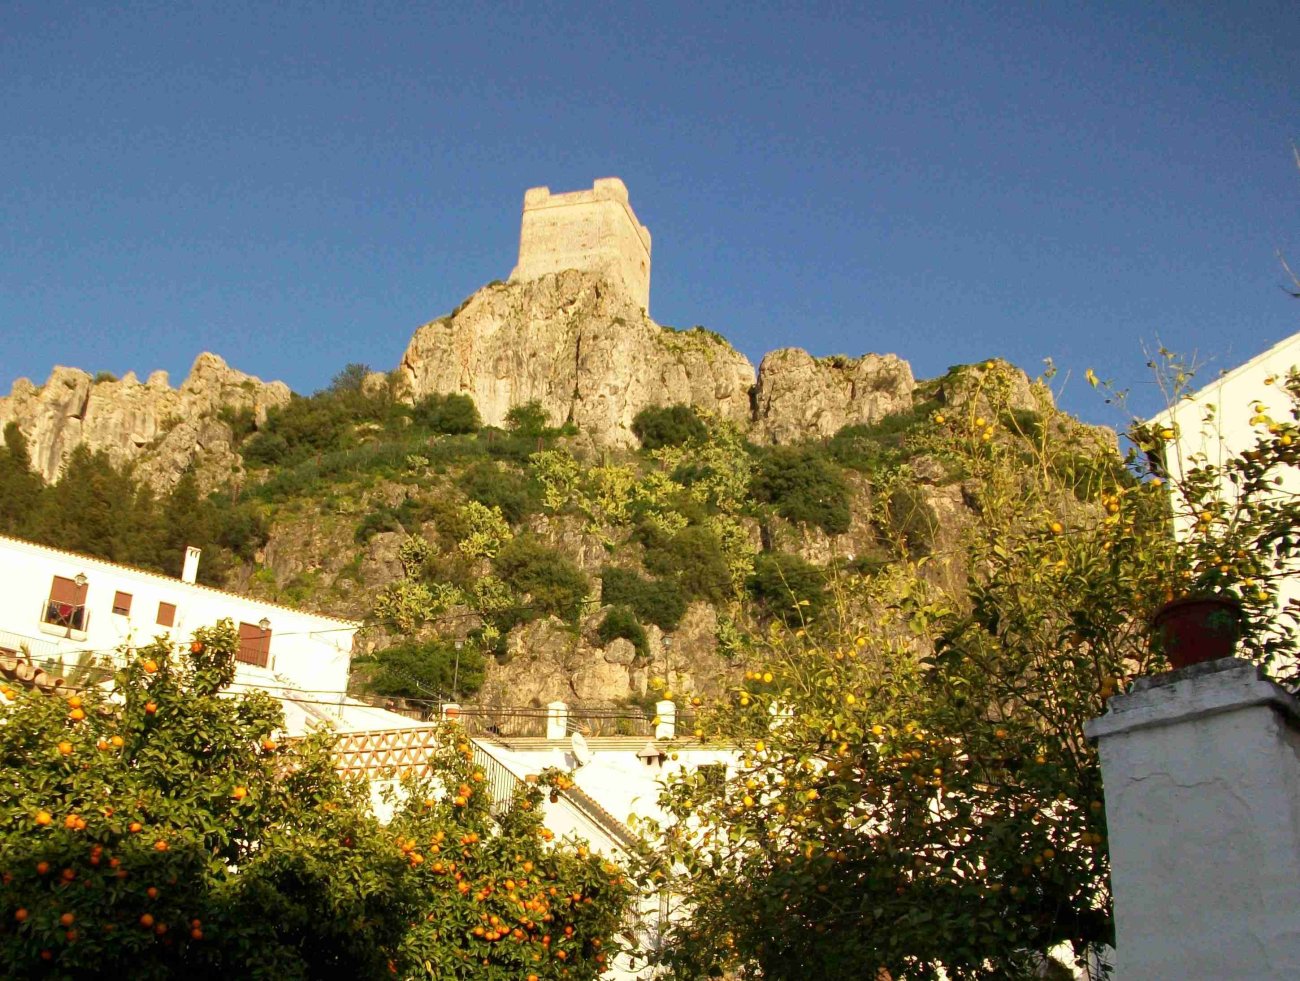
(576, 345)
(799, 396)
(162, 429)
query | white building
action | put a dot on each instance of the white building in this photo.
(64, 609)
(1214, 423)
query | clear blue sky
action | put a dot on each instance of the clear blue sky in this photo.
(298, 186)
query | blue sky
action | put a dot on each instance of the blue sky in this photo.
(298, 186)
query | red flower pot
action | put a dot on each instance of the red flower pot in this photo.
(1196, 628)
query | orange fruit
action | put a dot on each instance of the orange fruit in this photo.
(150, 666)
(160, 845)
(43, 818)
(65, 747)
(135, 827)
(146, 920)
(20, 915)
(150, 708)
(239, 793)
(67, 919)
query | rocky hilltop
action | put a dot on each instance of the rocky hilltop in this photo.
(590, 356)
(569, 341)
(166, 430)
(578, 347)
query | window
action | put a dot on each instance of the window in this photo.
(66, 606)
(122, 603)
(254, 644)
(166, 614)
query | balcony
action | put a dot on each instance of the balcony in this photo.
(70, 620)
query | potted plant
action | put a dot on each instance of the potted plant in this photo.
(1193, 629)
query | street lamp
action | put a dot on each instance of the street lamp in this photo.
(265, 624)
(455, 675)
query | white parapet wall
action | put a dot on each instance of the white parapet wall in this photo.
(1202, 778)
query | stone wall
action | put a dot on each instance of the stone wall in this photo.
(593, 231)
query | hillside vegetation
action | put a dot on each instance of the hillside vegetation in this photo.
(478, 553)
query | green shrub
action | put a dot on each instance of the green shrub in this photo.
(657, 601)
(350, 379)
(425, 669)
(104, 376)
(787, 586)
(492, 485)
(912, 522)
(694, 557)
(242, 421)
(380, 520)
(554, 584)
(671, 425)
(453, 414)
(802, 485)
(528, 419)
(884, 443)
(622, 622)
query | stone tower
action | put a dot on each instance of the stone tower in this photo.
(595, 231)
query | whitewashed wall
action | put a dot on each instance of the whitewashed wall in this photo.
(1202, 777)
(1230, 400)
(308, 650)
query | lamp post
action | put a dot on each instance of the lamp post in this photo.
(455, 674)
(265, 626)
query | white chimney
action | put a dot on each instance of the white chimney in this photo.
(191, 570)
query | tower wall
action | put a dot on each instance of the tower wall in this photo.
(595, 231)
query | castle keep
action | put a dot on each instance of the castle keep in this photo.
(595, 231)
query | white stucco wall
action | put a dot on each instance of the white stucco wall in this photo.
(1202, 779)
(311, 651)
(1231, 400)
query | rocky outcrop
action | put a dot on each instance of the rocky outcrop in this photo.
(572, 343)
(979, 386)
(799, 396)
(164, 430)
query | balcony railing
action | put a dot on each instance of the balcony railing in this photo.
(68, 619)
(502, 784)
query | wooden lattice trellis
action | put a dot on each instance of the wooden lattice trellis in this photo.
(385, 752)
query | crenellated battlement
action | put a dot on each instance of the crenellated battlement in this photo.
(595, 231)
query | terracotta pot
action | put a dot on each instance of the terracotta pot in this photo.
(1196, 628)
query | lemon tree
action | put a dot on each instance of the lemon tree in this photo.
(915, 795)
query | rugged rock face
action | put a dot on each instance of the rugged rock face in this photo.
(577, 346)
(799, 396)
(166, 430)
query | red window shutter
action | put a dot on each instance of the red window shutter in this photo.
(67, 591)
(122, 603)
(166, 614)
(254, 644)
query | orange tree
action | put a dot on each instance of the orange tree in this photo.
(162, 828)
(914, 794)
